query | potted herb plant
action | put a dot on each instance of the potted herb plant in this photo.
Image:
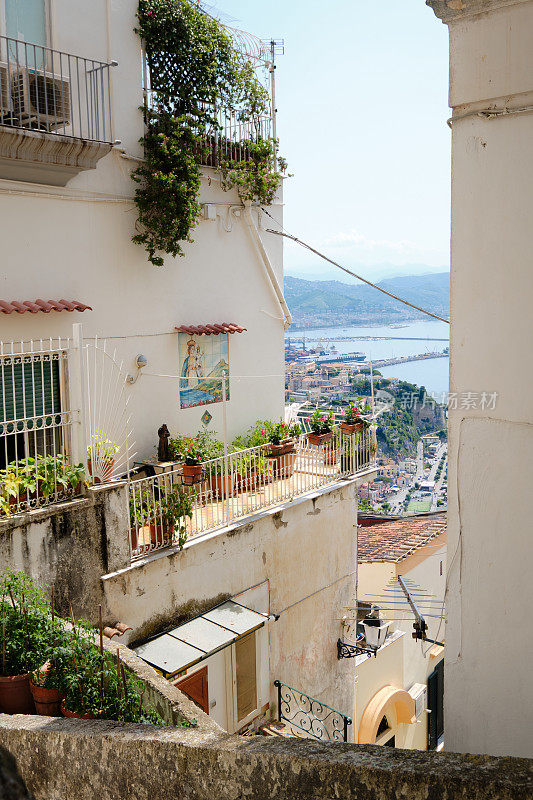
(46, 696)
(321, 427)
(24, 637)
(176, 507)
(101, 456)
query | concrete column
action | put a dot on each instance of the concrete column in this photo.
(488, 701)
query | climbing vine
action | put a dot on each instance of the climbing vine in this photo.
(193, 67)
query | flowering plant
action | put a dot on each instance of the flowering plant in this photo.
(321, 423)
(351, 414)
(186, 449)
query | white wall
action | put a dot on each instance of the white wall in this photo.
(488, 703)
(75, 243)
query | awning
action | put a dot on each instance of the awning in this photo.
(34, 306)
(196, 640)
(207, 330)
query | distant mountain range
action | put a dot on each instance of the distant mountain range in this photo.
(327, 303)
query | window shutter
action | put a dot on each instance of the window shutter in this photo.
(29, 388)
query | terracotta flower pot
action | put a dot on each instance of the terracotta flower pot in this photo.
(285, 446)
(247, 482)
(349, 428)
(320, 438)
(106, 468)
(47, 701)
(221, 486)
(331, 457)
(191, 474)
(159, 534)
(75, 714)
(283, 466)
(15, 695)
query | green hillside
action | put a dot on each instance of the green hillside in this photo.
(336, 303)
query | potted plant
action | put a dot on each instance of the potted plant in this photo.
(188, 450)
(321, 427)
(176, 507)
(46, 695)
(277, 437)
(352, 422)
(333, 448)
(101, 456)
(24, 637)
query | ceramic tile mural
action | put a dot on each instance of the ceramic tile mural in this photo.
(202, 362)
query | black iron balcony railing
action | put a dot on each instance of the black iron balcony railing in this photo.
(47, 90)
(314, 718)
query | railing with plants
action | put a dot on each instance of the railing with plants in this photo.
(208, 489)
(36, 464)
(204, 105)
(228, 135)
(51, 666)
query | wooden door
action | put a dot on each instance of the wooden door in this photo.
(195, 687)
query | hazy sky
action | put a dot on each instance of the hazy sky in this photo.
(362, 109)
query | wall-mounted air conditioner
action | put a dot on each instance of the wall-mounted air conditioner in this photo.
(418, 692)
(40, 99)
(5, 103)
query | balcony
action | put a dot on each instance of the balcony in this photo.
(229, 135)
(55, 115)
(231, 488)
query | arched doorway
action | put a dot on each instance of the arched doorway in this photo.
(385, 711)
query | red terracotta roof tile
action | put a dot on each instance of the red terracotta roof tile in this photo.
(394, 541)
(41, 305)
(212, 328)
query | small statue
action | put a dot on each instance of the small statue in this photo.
(163, 451)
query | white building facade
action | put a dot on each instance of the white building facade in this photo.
(488, 704)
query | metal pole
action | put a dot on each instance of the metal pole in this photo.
(273, 95)
(278, 684)
(77, 396)
(372, 387)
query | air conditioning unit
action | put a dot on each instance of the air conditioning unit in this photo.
(418, 692)
(5, 104)
(40, 99)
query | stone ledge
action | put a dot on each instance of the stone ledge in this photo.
(451, 10)
(42, 157)
(94, 495)
(61, 759)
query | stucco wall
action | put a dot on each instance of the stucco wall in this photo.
(64, 758)
(80, 248)
(69, 546)
(306, 552)
(490, 558)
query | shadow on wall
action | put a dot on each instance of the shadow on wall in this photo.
(12, 787)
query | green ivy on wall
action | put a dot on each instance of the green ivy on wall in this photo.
(193, 66)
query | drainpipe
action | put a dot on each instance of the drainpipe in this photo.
(263, 256)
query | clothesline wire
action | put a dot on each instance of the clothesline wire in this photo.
(349, 271)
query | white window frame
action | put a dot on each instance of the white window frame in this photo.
(47, 20)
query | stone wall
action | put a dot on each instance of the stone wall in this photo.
(70, 546)
(62, 759)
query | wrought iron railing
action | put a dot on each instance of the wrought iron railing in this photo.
(310, 716)
(244, 482)
(36, 421)
(48, 90)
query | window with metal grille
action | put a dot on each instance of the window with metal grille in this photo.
(30, 406)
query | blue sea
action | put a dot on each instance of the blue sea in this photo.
(431, 373)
